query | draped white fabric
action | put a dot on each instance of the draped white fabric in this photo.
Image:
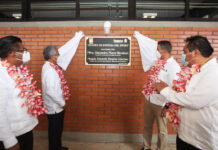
(68, 50)
(148, 50)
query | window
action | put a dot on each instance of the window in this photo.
(104, 9)
(15, 10)
(207, 9)
(160, 10)
(53, 10)
(10, 10)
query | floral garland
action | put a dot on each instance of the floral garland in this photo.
(153, 77)
(179, 86)
(28, 90)
(64, 87)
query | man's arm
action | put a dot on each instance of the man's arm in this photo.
(6, 135)
(15, 147)
(203, 93)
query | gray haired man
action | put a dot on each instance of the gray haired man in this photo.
(54, 87)
(53, 97)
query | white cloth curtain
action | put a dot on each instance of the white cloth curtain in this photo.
(68, 50)
(148, 50)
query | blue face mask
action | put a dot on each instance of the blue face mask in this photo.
(184, 62)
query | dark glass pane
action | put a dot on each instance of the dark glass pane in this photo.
(53, 10)
(203, 9)
(104, 9)
(10, 10)
(160, 9)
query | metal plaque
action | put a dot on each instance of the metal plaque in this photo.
(108, 51)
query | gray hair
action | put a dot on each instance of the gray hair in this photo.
(49, 51)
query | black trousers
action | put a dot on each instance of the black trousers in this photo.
(55, 129)
(181, 145)
(25, 141)
(1, 146)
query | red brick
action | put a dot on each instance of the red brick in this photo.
(5, 29)
(51, 32)
(24, 32)
(205, 33)
(156, 28)
(191, 33)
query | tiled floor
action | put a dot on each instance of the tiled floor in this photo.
(42, 144)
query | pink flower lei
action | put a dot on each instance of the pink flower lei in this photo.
(179, 86)
(153, 77)
(64, 87)
(28, 90)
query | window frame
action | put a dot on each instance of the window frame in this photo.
(26, 13)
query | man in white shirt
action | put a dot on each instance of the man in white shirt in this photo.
(16, 118)
(151, 51)
(154, 104)
(198, 128)
(54, 87)
(53, 98)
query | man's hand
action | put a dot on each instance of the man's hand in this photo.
(159, 86)
(64, 107)
(15, 147)
(148, 73)
(163, 112)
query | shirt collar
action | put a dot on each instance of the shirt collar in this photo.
(210, 62)
(170, 59)
(47, 62)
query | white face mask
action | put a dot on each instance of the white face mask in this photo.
(158, 54)
(25, 57)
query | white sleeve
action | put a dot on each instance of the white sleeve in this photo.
(68, 50)
(6, 135)
(202, 94)
(148, 49)
(158, 101)
(53, 87)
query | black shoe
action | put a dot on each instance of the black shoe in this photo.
(145, 149)
(64, 148)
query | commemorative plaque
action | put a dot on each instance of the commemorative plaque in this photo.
(108, 51)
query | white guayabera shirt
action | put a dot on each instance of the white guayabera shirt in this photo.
(51, 86)
(14, 119)
(199, 123)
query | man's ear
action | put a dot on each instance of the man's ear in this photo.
(197, 52)
(165, 52)
(52, 57)
(11, 54)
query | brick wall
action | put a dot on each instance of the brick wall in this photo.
(103, 98)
